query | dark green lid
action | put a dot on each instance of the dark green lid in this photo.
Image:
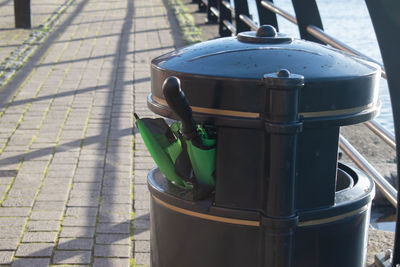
(224, 77)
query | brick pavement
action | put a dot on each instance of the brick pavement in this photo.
(72, 170)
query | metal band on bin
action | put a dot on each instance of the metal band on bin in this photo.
(253, 115)
(257, 223)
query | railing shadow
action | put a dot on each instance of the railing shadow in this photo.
(5, 3)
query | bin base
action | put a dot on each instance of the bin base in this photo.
(199, 234)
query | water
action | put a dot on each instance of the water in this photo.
(349, 22)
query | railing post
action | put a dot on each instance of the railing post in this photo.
(22, 13)
(211, 18)
(265, 16)
(307, 13)
(241, 8)
(202, 6)
(224, 14)
(385, 18)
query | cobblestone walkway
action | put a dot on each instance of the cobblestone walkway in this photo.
(72, 172)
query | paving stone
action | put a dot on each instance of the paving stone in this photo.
(22, 193)
(111, 190)
(6, 257)
(35, 226)
(142, 215)
(79, 221)
(9, 244)
(33, 167)
(18, 202)
(7, 172)
(75, 244)
(49, 206)
(60, 173)
(141, 192)
(110, 262)
(78, 211)
(141, 224)
(11, 232)
(51, 197)
(55, 188)
(142, 246)
(117, 199)
(38, 237)
(112, 251)
(114, 218)
(84, 202)
(93, 172)
(81, 194)
(67, 231)
(115, 208)
(122, 228)
(87, 186)
(35, 250)
(29, 177)
(142, 258)
(12, 221)
(14, 211)
(26, 184)
(31, 262)
(72, 257)
(61, 181)
(118, 182)
(117, 175)
(61, 193)
(65, 168)
(142, 205)
(88, 178)
(61, 160)
(141, 234)
(117, 239)
(44, 215)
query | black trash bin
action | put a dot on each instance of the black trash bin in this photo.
(281, 197)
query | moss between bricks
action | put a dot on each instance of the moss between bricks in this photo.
(191, 33)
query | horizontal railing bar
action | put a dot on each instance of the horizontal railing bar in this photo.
(215, 11)
(249, 22)
(384, 186)
(269, 5)
(230, 26)
(229, 6)
(382, 132)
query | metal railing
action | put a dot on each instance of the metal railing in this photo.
(233, 20)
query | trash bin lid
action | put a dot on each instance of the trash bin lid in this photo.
(223, 78)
